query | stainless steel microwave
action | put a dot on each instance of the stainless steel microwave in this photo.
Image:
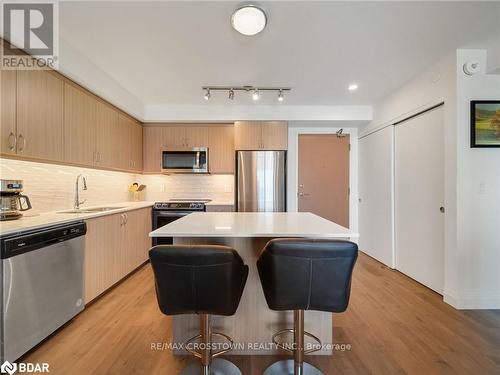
(193, 160)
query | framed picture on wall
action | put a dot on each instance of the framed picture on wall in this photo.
(485, 123)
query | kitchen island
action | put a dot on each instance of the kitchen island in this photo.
(254, 323)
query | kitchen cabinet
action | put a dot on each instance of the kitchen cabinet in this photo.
(219, 138)
(107, 140)
(184, 136)
(152, 148)
(130, 141)
(261, 135)
(221, 149)
(39, 109)
(8, 135)
(115, 245)
(80, 126)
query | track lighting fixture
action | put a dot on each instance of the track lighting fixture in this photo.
(207, 94)
(255, 95)
(280, 96)
(253, 90)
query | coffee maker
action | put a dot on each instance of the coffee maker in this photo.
(12, 202)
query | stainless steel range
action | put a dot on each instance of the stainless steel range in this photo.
(166, 212)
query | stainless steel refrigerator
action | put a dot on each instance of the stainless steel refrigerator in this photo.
(260, 181)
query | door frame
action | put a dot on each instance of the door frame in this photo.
(293, 166)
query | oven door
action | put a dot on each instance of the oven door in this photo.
(162, 218)
(185, 161)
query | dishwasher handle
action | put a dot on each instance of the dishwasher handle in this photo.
(30, 241)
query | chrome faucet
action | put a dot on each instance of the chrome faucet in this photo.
(77, 191)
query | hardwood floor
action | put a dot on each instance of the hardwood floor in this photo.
(393, 324)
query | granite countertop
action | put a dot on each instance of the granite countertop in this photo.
(253, 224)
(29, 222)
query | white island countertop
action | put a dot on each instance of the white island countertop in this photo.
(253, 224)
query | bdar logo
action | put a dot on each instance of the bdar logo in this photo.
(8, 368)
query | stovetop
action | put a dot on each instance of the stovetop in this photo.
(182, 204)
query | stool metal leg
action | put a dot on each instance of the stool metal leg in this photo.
(295, 366)
(205, 342)
(209, 365)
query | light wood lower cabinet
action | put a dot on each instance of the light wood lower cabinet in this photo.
(115, 245)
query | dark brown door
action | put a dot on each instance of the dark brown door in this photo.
(324, 176)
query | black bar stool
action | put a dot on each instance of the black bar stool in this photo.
(201, 280)
(305, 274)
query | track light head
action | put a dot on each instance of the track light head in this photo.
(256, 94)
(280, 96)
(207, 94)
(231, 94)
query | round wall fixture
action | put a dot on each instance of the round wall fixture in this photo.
(249, 19)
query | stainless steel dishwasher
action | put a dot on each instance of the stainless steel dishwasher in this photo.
(42, 284)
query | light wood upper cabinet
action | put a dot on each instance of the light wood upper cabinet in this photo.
(173, 137)
(107, 139)
(261, 135)
(130, 143)
(152, 149)
(195, 136)
(80, 128)
(274, 135)
(8, 135)
(39, 115)
(247, 135)
(221, 149)
(219, 138)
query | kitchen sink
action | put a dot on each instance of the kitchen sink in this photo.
(89, 210)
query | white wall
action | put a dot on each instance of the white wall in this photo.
(478, 197)
(472, 176)
(292, 168)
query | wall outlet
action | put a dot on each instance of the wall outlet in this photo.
(162, 188)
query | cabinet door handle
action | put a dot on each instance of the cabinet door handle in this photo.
(126, 218)
(99, 157)
(12, 141)
(21, 138)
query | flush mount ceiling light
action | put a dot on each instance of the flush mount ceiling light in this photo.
(255, 91)
(249, 19)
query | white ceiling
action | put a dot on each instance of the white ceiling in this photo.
(163, 52)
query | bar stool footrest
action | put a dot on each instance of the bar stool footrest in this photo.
(289, 330)
(212, 354)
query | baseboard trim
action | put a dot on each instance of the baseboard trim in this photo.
(472, 300)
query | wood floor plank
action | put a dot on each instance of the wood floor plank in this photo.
(393, 324)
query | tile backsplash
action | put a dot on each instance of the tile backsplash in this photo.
(164, 187)
(51, 187)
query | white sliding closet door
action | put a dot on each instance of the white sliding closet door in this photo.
(419, 198)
